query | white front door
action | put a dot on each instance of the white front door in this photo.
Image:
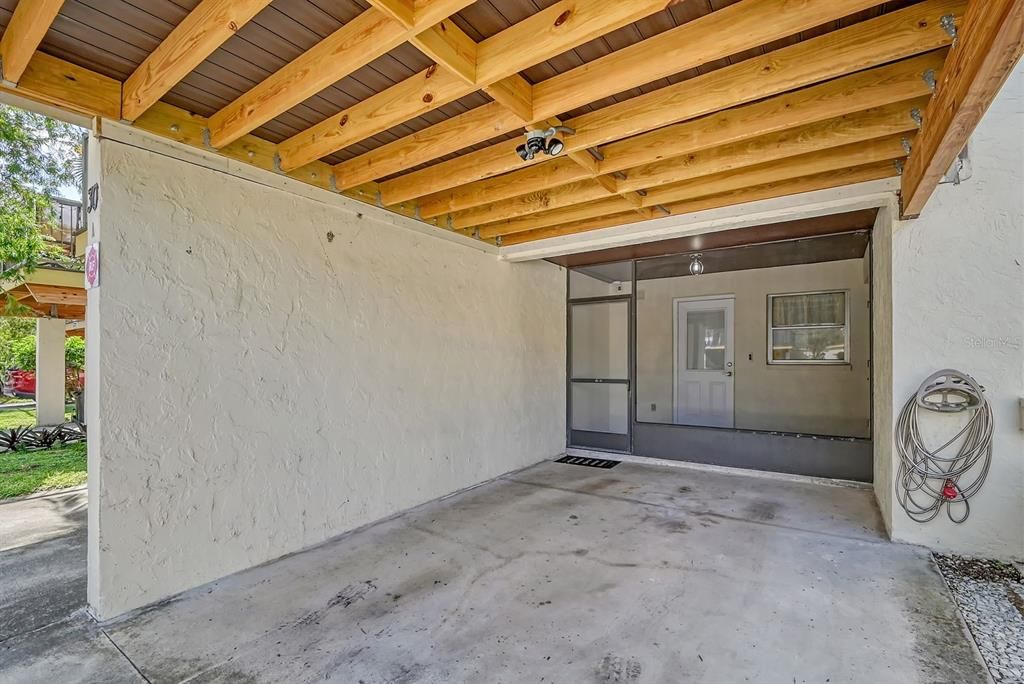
(704, 361)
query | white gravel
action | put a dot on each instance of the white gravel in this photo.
(990, 595)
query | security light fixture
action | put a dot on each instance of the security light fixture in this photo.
(543, 141)
(696, 265)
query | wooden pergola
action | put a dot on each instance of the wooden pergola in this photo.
(419, 105)
(45, 293)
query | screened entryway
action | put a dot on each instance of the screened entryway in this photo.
(600, 389)
(751, 355)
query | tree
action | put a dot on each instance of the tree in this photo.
(38, 155)
(12, 329)
(23, 353)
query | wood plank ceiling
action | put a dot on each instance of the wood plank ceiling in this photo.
(418, 105)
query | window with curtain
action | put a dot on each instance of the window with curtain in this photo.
(808, 328)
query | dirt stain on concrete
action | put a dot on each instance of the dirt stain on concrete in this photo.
(344, 598)
(762, 510)
(671, 525)
(616, 669)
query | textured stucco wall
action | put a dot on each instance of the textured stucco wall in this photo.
(958, 301)
(261, 389)
(882, 417)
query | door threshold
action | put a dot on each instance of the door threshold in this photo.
(725, 470)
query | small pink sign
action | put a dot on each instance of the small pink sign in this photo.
(92, 266)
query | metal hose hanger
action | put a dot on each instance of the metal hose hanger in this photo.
(932, 478)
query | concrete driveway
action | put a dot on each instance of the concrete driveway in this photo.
(557, 573)
(42, 560)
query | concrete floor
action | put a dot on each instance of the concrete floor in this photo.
(558, 573)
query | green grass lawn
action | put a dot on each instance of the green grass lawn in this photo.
(27, 472)
(13, 418)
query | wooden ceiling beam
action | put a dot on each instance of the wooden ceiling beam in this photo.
(357, 43)
(53, 81)
(858, 154)
(542, 35)
(450, 47)
(29, 23)
(202, 31)
(402, 11)
(877, 41)
(784, 188)
(514, 93)
(876, 87)
(470, 128)
(989, 43)
(695, 43)
(721, 33)
(878, 122)
(864, 127)
(54, 294)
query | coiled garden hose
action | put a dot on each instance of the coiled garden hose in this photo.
(928, 479)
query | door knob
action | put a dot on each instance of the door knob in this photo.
(729, 373)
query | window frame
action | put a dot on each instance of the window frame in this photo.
(845, 327)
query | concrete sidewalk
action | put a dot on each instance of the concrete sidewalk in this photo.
(558, 573)
(42, 560)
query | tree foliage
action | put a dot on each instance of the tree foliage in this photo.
(38, 155)
(74, 353)
(21, 352)
(12, 329)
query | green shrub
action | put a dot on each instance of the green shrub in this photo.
(74, 352)
(23, 353)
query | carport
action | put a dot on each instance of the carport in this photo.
(336, 285)
(558, 572)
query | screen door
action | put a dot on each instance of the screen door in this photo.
(599, 387)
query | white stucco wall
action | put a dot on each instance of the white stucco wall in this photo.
(256, 389)
(957, 286)
(882, 417)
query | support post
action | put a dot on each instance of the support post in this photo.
(49, 371)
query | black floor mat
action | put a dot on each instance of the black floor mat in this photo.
(592, 462)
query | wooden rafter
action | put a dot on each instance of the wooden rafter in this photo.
(558, 28)
(815, 137)
(357, 43)
(515, 94)
(877, 87)
(890, 37)
(821, 181)
(24, 32)
(450, 47)
(884, 149)
(55, 294)
(193, 40)
(745, 25)
(402, 11)
(989, 44)
(55, 82)
(837, 106)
